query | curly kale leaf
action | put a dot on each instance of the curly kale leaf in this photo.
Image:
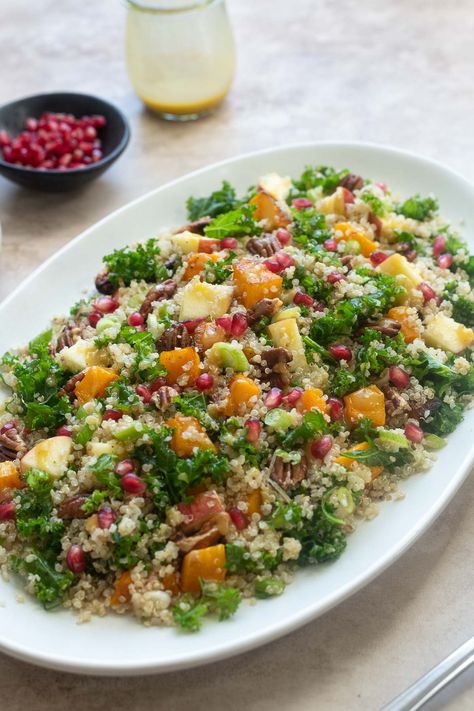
(309, 229)
(320, 176)
(377, 456)
(321, 540)
(221, 599)
(418, 208)
(313, 424)
(50, 585)
(139, 263)
(445, 419)
(219, 272)
(104, 471)
(375, 203)
(147, 366)
(463, 311)
(193, 404)
(237, 223)
(239, 560)
(319, 289)
(188, 613)
(218, 202)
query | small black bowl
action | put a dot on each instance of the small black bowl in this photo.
(114, 136)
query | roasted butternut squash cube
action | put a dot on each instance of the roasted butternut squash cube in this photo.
(255, 282)
(94, 383)
(121, 593)
(344, 231)
(311, 398)
(188, 435)
(242, 396)
(182, 365)
(348, 462)
(9, 476)
(366, 402)
(196, 263)
(266, 208)
(254, 502)
(203, 564)
(405, 318)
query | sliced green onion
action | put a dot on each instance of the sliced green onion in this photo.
(352, 246)
(279, 420)
(344, 497)
(432, 441)
(130, 433)
(269, 587)
(327, 514)
(391, 437)
(84, 435)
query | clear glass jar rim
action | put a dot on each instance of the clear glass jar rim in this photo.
(165, 6)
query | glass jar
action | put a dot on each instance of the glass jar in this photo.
(180, 55)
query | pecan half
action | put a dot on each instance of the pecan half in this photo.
(163, 397)
(197, 227)
(264, 308)
(387, 326)
(67, 337)
(161, 291)
(208, 534)
(288, 475)
(68, 388)
(177, 336)
(263, 246)
(277, 359)
(406, 249)
(103, 283)
(395, 404)
(11, 445)
(72, 507)
(352, 182)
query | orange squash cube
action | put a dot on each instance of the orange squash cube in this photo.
(266, 208)
(94, 383)
(405, 319)
(312, 398)
(196, 264)
(255, 282)
(188, 435)
(344, 231)
(206, 564)
(348, 462)
(170, 583)
(9, 476)
(181, 364)
(254, 502)
(121, 593)
(366, 402)
(242, 392)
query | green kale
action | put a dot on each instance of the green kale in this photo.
(236, 223)
(94, 501)
(309, 229)
(322, 176)
(193, 404)
(147, 366)
(313, 424)
(49, 585)
(375, 203)
(219, 272)
(104, 471)
(319, 289)
(313, 347)
(463, 310)
(125, 396)
(83, 435)
(321, 540)
(34, 520)
(445, 419)
(418, 208)
(218, 202)
(221, 599)
(235, 437)
(376, 456)
(125, 555)
(188, 613)
(344, 381)
(438, 376)
(39, 346)
(140, 263)
(285, 516)
(378, 352)
(410, 239)
(269, 587)
(239, 560)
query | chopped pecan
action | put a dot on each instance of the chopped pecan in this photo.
(161, 291)
(208, 534)
(67, 337)
(72, 507)
(103, 283)
(346, 260)
(68, 388)
(264, 308)
(395, 404)
(387, 326)
(406, 249)
(351, 182)
(376, 222)
(286, 474)
(277, 359)
(11, 445)
(196, 227)
(177, 336)
(423, 411)
(163, 397)
(265, 246)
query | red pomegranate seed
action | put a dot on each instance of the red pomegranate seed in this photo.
(301, 203)
(238, 518)
(445, 260)
(7, 511)
(439, 245)
(192, 324)
(205, 381)
(31, 124)
(5, 139)
(334, 277)
(76, 559)
(278, 262)
(239, 324)
(106, 517)
(229, 243)
(272, 265)
(144, 392)
(330, 244)
(113, 414)
(94, 318)
(378, 257)
(225, 322)
(135, 319)
(348, 196)
(125, 466)
(320, 447)
(132, 484)
(336, 408)
(293, 396)
(283, 236)
(253, 430)
(340, 352)
(303, 299)
(157, 384)
(106, 305)
(10, 425)
(64, 431)
(427, 291)
(382, 186)
(413, 432)
(398, 377)
(274, 398)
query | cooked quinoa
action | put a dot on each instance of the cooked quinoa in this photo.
(233, 398)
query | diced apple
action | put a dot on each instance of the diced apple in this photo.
(283, 314)
(398, 264)
(275, 185)
(333, 204)
(95, 449)
(78, 356)
(285, 334)
(50, 455)
(444, 332)
(185, 242)
(202, 300)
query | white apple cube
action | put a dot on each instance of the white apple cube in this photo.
(397, 264)
(202, 300)
(185, 242)
(285, 334)
(445, 333)
(78, 356)
(50, 455)
(96, 449)
(275, 185)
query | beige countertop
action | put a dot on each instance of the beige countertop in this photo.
(397, 72)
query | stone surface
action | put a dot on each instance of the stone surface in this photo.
(397, 72)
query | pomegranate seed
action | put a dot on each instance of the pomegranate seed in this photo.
(239, 324)
(293, 396)
(398, 377)
(10, 425)
(132, 484)
(427, 291)
(272, 265)
(192, 324)
(301, 203)
(378, 257)
(238, 518)
(413, 432)
(445, 260)
(64, 431)
(229, 243)
(278, 262)
(125, 466)
(382, 186)
(106, 517)
(334, 277)
(94, 318)
(76, 559)
(336, 408)
(330, 244)
(144, 392)
(439, 245)
(106, 305)
(225, 322)
(283, 236)
(304, 299)
(274, 398)
(113, 414)
(5, 139)
(340, 352)
(253, 430)
(348, 196)
(320, 447)
(135, 319)
(157, 384)
(209, 245)
(31, 124)
(7, 511)
(205, 381)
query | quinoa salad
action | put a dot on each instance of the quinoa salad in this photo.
(233, 398)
